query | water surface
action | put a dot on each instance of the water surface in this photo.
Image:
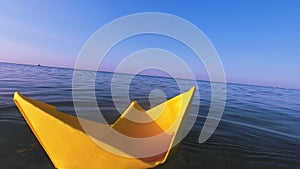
(260, 127)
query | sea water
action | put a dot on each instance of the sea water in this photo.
(260, 127)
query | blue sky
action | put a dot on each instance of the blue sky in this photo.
(257, 41)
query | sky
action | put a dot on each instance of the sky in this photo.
(257, 41)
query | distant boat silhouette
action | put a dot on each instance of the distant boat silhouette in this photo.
(38, 65)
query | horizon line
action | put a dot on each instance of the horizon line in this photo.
(104, 71)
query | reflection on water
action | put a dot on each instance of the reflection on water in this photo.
(260, 127)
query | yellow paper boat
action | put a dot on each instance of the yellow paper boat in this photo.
(140, 144)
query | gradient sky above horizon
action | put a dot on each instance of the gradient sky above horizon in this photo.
(257, 41)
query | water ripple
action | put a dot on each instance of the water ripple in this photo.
(260, 127)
